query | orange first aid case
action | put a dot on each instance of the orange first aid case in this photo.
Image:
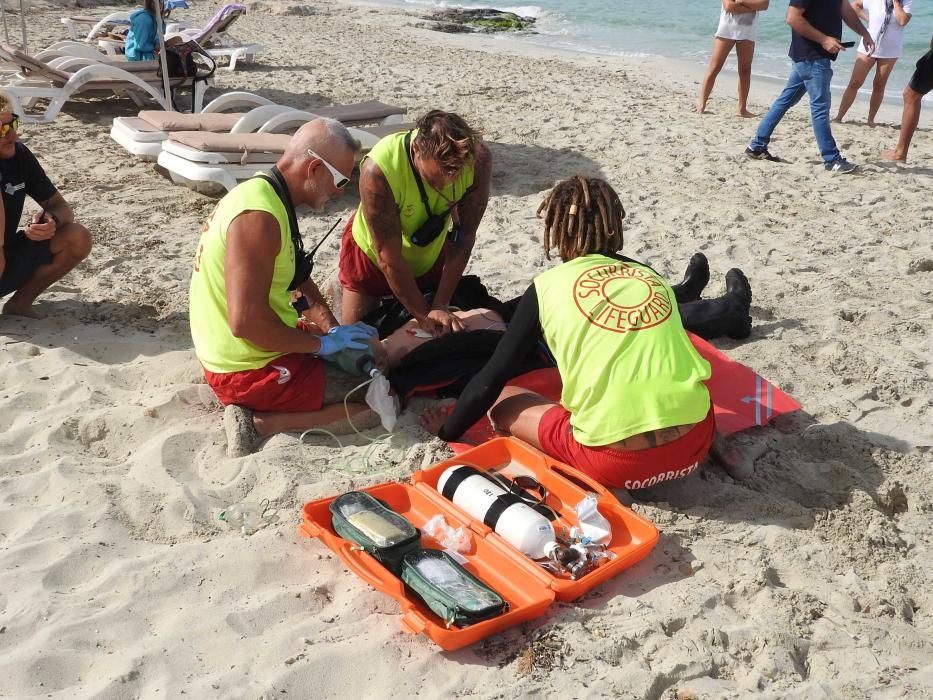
(529, 588)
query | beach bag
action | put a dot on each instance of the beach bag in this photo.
(450, 591)
(381, 532)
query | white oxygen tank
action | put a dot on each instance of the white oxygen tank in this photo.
(517, 523)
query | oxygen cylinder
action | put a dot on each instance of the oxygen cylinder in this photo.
(517, 523)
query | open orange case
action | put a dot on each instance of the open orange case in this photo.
(527, 586)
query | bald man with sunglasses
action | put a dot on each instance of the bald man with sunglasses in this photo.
(51, 244)
(261, 358)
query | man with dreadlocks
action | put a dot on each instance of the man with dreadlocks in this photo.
(422, 196)
(634, 410)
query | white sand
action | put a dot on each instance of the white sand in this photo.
(808, 580)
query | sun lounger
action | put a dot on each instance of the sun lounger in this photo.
(203, 160)
(39, 80)
(100, 25)
(143, 135)
(213, 37)
(215, 32)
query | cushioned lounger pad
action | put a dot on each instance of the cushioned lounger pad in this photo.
(175, 121)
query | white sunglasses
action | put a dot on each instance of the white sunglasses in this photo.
(340, 180)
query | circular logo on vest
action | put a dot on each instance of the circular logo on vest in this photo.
(621, 297)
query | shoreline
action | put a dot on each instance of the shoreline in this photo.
(679, 73)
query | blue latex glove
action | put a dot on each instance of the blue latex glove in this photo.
(344, 338)
(365, 327)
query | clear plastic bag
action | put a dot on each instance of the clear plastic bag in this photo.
(379, 398)
(454, 539)
(592, 523)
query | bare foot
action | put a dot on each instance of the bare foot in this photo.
(892, 155)
(837, 120)
(434, 418)
(700, 108)
(872, 124)
(25, 310)
(746, 114)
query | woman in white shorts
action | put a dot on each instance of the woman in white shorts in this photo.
(737, 23)
(886, 22)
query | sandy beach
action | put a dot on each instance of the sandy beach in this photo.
(809, 579)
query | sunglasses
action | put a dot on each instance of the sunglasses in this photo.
(340, 180)
(531, 491)
(7, 127)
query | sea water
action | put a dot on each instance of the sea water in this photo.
(683, 29)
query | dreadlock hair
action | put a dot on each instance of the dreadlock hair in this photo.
(446, 138)
(582, 215)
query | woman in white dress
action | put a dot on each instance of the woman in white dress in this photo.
(737, 23)
(886, 22)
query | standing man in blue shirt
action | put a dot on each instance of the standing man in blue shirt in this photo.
(816, 30)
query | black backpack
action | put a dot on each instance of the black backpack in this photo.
(187, 60)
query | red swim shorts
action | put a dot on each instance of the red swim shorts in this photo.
(289, 383)
(359, 274)
(620, 469)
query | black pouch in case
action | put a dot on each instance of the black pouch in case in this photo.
(367, 522)
(450, 591)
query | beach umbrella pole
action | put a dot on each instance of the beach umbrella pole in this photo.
(22, 21)
(166, 81)
(6, 29)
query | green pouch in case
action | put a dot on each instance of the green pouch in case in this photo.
(358, 517)
(450, 591)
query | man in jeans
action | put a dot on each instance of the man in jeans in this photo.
(816, 28)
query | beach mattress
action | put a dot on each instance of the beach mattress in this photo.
(154, 120)
(741, 398)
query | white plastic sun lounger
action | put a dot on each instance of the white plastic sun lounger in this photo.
(143, 135)
(39, 80)
(213, 37)
(104, 25)
(203, 161)
(101, 25)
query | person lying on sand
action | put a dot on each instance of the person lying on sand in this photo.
(921, 82)
(708, 318)
(51, 244)
(259, 362)
(634, 405)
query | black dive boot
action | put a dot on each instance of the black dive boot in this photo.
(695, 279)
(727, 315)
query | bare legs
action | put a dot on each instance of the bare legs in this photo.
(245, 428)
(70, 245)
(863, 65)
(332, 418)
(721, 49)
(745, 52)
(882, 73)
(518, 412)
(860, 71)
(909, 120)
